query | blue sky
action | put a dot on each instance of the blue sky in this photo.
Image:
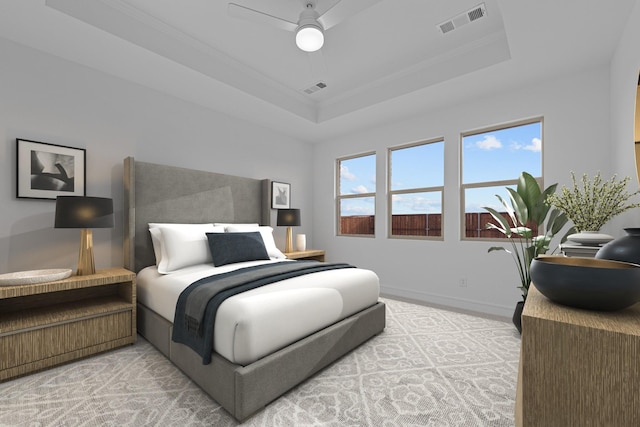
(358, 176)
(490, 156)
(503, 154)
(498, 156)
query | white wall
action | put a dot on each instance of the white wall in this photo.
(576, 138)
(588, 127)
(46, 99)
(624, 79)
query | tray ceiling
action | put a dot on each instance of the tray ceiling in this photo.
(379, 62)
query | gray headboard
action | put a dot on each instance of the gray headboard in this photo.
(159, 193)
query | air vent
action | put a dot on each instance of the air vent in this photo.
(476, 13)
(446, 27)
(316, 87)
(458, 21)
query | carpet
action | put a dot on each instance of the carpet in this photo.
(430, 367)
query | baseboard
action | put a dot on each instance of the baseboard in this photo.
(448, 302)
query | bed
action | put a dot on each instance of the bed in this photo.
(242, 376)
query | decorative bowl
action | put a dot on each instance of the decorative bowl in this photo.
(33, 276)
(590, 283)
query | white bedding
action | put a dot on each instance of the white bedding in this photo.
(256, 323)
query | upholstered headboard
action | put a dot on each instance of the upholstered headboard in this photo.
(159, 193)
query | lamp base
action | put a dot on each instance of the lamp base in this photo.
(288, 247)
(86, 263)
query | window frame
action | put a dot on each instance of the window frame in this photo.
(391, 193)
(498, 183)
(339, 197)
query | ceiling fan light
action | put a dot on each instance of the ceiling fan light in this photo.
(309, 37)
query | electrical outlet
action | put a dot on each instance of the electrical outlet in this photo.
(463, 282)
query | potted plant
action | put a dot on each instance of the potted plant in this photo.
(593, 204)
(527, 208)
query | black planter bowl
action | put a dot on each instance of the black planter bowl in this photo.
(590, 283)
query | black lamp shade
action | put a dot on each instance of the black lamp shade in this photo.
(288, 217)
(84, 212)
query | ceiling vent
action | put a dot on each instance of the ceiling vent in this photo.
(458, 21)
(316, 87)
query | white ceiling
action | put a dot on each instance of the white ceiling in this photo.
(381, 63)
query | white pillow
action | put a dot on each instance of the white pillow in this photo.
(267, 237)
(182, 245)
(229, 224)
(156, 235)
(156, 240)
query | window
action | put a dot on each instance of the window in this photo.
(416, 188)
(356, 195)
(493, 159)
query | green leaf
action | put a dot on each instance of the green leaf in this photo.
(529, 191)
(504, 225)
(519, 206)
(556, 221)
(541, 244)
(497, 248)
(522, 231)
(508, 208)
(543, 207)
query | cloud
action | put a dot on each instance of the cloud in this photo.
(357, 210)
(412, 204)
(360, 189)
(363, 206)
(535, 146)
(489, 142)
(473, 207)
(344, 173)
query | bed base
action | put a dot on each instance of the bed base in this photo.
(245, 390)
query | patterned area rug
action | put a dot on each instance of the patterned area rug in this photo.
(430, 367)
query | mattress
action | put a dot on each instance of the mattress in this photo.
(256, 323)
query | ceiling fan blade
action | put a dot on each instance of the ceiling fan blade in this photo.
(342, 10)
(242, 12)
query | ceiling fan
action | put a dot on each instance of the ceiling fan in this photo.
(311, 25)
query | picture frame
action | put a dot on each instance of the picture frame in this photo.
(46, 171)
(280, 195)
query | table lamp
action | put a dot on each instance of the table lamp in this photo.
(288, 218)
(85, 213)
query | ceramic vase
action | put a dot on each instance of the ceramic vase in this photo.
(626, 248)
(301, 242)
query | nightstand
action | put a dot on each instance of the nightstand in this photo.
(46, 324)
(313, 254)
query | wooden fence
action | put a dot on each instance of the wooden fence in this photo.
(422, 225)
(357, 224)
(476, 225)
(416, 225)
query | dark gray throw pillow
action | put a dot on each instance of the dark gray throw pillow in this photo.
(227, 248)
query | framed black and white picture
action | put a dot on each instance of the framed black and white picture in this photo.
(46, 171)
(280, 195)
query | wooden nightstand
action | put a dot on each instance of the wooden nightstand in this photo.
(46, 324)
(314, 254)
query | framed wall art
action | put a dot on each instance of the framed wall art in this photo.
(46, 171)
(280, 195)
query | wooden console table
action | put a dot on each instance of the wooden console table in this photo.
(578, 367)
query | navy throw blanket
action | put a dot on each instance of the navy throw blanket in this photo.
(193, 324)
